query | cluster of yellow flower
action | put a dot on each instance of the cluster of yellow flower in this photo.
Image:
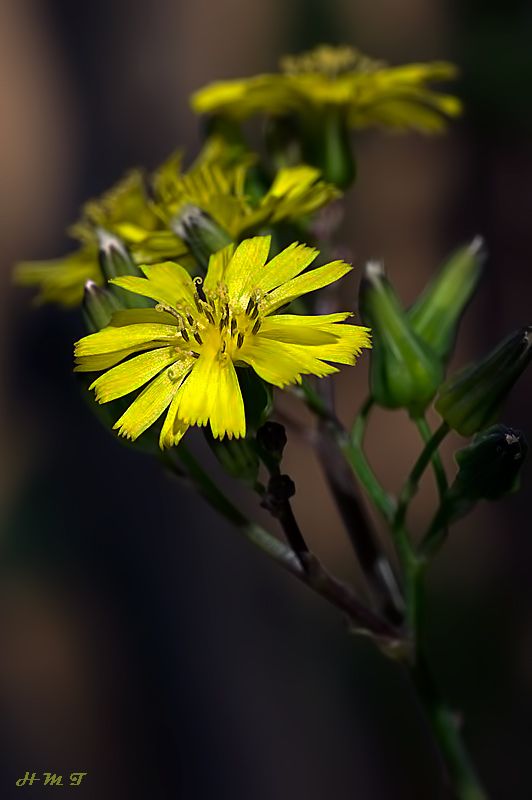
(176, 223)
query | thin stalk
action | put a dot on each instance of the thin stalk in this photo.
(436, 534)
(444, 725)
(351, 447)
(412, 482)
(437, 466)
(316, 577)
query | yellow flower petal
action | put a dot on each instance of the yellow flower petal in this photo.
(217, 266)
(296, 329)
(167, 283)
(152, 401)
(97, 362)
(281, 363)
(246, 266)
(173, 429)
(60, 280)
(212, 393)
(133, 316)
(308, 282)
(110, 339)
(285, 266)
(132, 374)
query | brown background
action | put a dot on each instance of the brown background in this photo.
(141, 641)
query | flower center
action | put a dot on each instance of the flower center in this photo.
(214, 323)
(329, 61)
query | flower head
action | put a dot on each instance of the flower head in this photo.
(124, 211)
(369, 92)
(199, 332)
(219, 189)
(150, 228)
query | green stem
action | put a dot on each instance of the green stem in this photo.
(353, 448)
(437, 466)
(412, 482)
(436, 534)
(444, 726)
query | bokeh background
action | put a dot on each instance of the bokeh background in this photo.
(141, 640)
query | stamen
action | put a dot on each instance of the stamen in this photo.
(256, 327)
(240, 340)
(161, 307)
(208, 315)
(197, 337)
(250, 305)
(199, 290)
(233, 326)
(184, 334)
(255, 313)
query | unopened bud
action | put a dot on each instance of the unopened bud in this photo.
(271, 439)
(115, 261)
(490, 466)
(98, 306)
(404, 372)
(435, 316)
(200, 232)
(470, 400)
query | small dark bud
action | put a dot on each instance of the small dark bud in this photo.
(271, 438)
(280, 489)
(490, 466)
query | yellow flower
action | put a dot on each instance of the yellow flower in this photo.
(215, 183)
(219, 189)
(368, 92)
(191, 342)
(125, 211)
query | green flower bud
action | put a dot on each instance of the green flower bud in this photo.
(435, 316)
(490, 466)
(470, 400)
(404, 372)
(98, 306)
(115, 260)
(202, 235)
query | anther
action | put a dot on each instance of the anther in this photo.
(250, 305)
(240, 340)
(256, 327)
(184, 334)
(233, 326)
(255, 313)
(197, 337)
(208, 315)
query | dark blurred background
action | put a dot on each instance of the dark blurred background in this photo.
(141, 640)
